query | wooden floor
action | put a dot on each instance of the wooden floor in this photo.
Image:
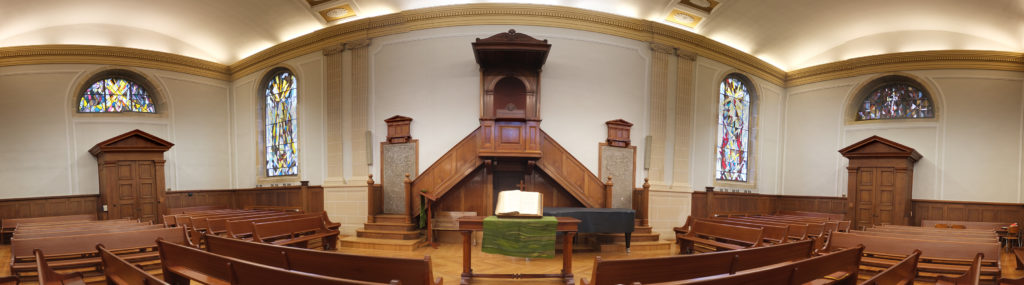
(447, 262)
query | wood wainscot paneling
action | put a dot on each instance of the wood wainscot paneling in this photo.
(820, 204)
(49, 206)
(304, 197)
(967, 211)
(705, 204)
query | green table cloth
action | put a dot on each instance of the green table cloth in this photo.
(520, 237)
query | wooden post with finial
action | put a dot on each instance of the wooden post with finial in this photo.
(641, 197)
(371, 200)
(608, 198)
(408, 198)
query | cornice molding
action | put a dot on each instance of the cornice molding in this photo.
(686, 44)
(904, 61)
(509, 14)
(108, 55)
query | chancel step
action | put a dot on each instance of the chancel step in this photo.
(382, 244)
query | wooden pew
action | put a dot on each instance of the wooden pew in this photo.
(49, 277)
(924, 236)
(971, 277)
(220, 225)
(938, 257)
(7, 225)
(664, 269)
(9, 280)
(335, 264)
(969, 225)
(76, 227)
(243, 228)
(181, 264)
(75, 251)
(120, 272)
(773, 234)
(74, 232)
(832, 268)
(899, 274)
(719, 236)
(297, 232)
(183, 210)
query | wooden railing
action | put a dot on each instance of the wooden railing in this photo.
(444, 173)
(571, 174)
(641, 202)
(373, 200)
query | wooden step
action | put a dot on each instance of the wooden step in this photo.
(390, 218)
(645, 246)
(398, 235)
(642, 230)
(382, 244)
(389, 227)
(613, 238)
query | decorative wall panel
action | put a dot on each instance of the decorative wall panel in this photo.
(619, 164)
(396, 160)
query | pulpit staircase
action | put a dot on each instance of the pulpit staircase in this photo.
(399, 232)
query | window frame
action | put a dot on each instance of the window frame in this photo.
(154, 92)
(264, 178)
(868, 86)
(753, 125)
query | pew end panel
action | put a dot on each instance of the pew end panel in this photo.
(47, 276)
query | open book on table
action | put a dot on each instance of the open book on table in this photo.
(519, 204)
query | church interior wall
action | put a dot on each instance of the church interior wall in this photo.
(970, 152)
(48, 141)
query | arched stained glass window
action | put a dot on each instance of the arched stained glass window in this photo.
(281, 122)
(115, 95)
(734, 105)
(895, 98)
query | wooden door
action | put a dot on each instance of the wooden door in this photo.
(136, 195)
(875, 196)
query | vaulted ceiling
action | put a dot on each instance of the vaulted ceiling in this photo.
(789, 34)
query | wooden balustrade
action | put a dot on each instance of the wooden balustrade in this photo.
(572, 175)
(374, 202)
(641, 204)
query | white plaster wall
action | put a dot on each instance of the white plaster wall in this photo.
(768, 133)
(971, 152)
(248, 153)
(46, 142)
(431, 76)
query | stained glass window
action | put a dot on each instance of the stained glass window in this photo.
(281, 124)
(898, 100)
(733, 129)
(115, 95)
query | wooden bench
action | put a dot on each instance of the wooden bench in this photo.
(924, 236)
(969, 225)
(773, 234)
(350, 266)
(297, 232)
(830, 216)
(130, 228)
(183, 210)
(7, 225)
(121, 272)
(182, 263)
(719, 236)
(938, 257)
(243, 228)
(902, 273)
(971, 277)
(9, 280)
(832, 268)
(79, 251)
(47, 276)
(664, 269)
